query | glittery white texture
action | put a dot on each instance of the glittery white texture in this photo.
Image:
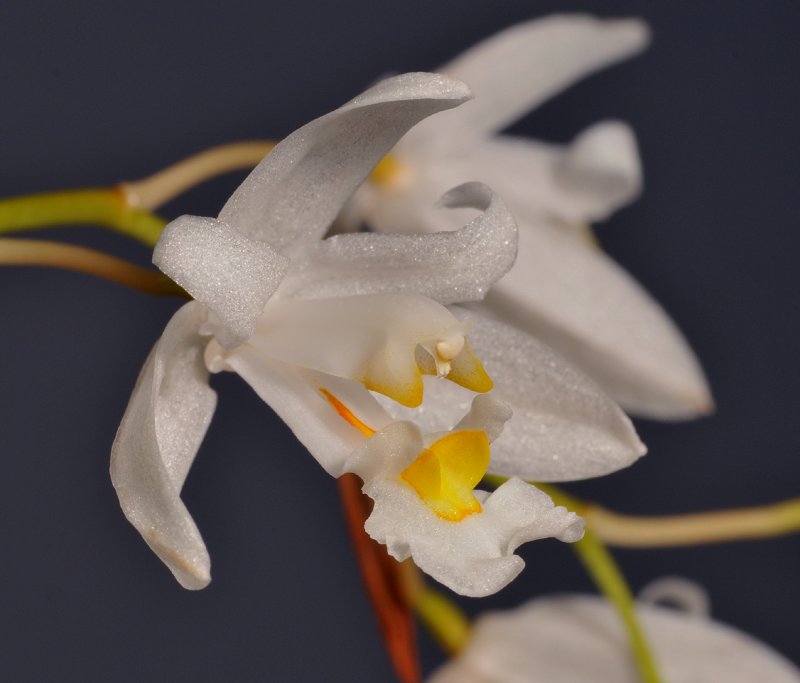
(449, 267)
(561, 287)
(474, 556)
(167, 417)
(575, 639)
(231, 274)
(294, 194)
(563, 426)
(581, 303)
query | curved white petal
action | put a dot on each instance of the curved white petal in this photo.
(517, 69)
(231, 274)
(597, 316)
(164, 423)
(372, 339)
(296, 395)
(294, 194)
(563, 426)
(448, 267)
(574, 639)
(599, 172)
(474, 556)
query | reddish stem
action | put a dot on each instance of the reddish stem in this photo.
(382, 580)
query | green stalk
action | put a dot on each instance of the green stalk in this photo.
(610, 581)
(102, 206)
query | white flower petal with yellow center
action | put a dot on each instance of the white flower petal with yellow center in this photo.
(562, 288)
(578, 638)
(425, 503)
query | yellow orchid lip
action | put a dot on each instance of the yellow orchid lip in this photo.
(445, 474)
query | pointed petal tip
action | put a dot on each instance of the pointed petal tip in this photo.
(679, 405)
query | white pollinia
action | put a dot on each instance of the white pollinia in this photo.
(579, 638)
(320, 328)
(562, 289)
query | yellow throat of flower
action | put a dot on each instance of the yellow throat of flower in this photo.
(389, 172)
(445, 474)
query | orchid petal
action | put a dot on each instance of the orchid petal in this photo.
(448, 267)
(293, 195)
(231, 274)
(573, 639)
(372, 339)
(599, 172)
(164, 423)
(296, 395)
(563, 426)
(473, 556)
(517, 69)
(580, 302)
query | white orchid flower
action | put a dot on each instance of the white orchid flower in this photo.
(563, 289)
(311, 324)
(579, 638)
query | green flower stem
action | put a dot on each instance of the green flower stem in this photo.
(107, 207)
(608, 578)
(444, 620)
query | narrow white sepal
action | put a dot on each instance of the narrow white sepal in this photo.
(164, 423)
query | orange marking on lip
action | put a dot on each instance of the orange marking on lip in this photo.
(346, 414)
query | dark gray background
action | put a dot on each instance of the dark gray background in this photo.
(94, 93)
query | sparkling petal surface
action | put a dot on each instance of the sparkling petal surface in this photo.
(231, 274)
(517, 69)
(574, 639)
(294, 194)
(448, 267)
(563, 426)
(166, 419)
(597, 316)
